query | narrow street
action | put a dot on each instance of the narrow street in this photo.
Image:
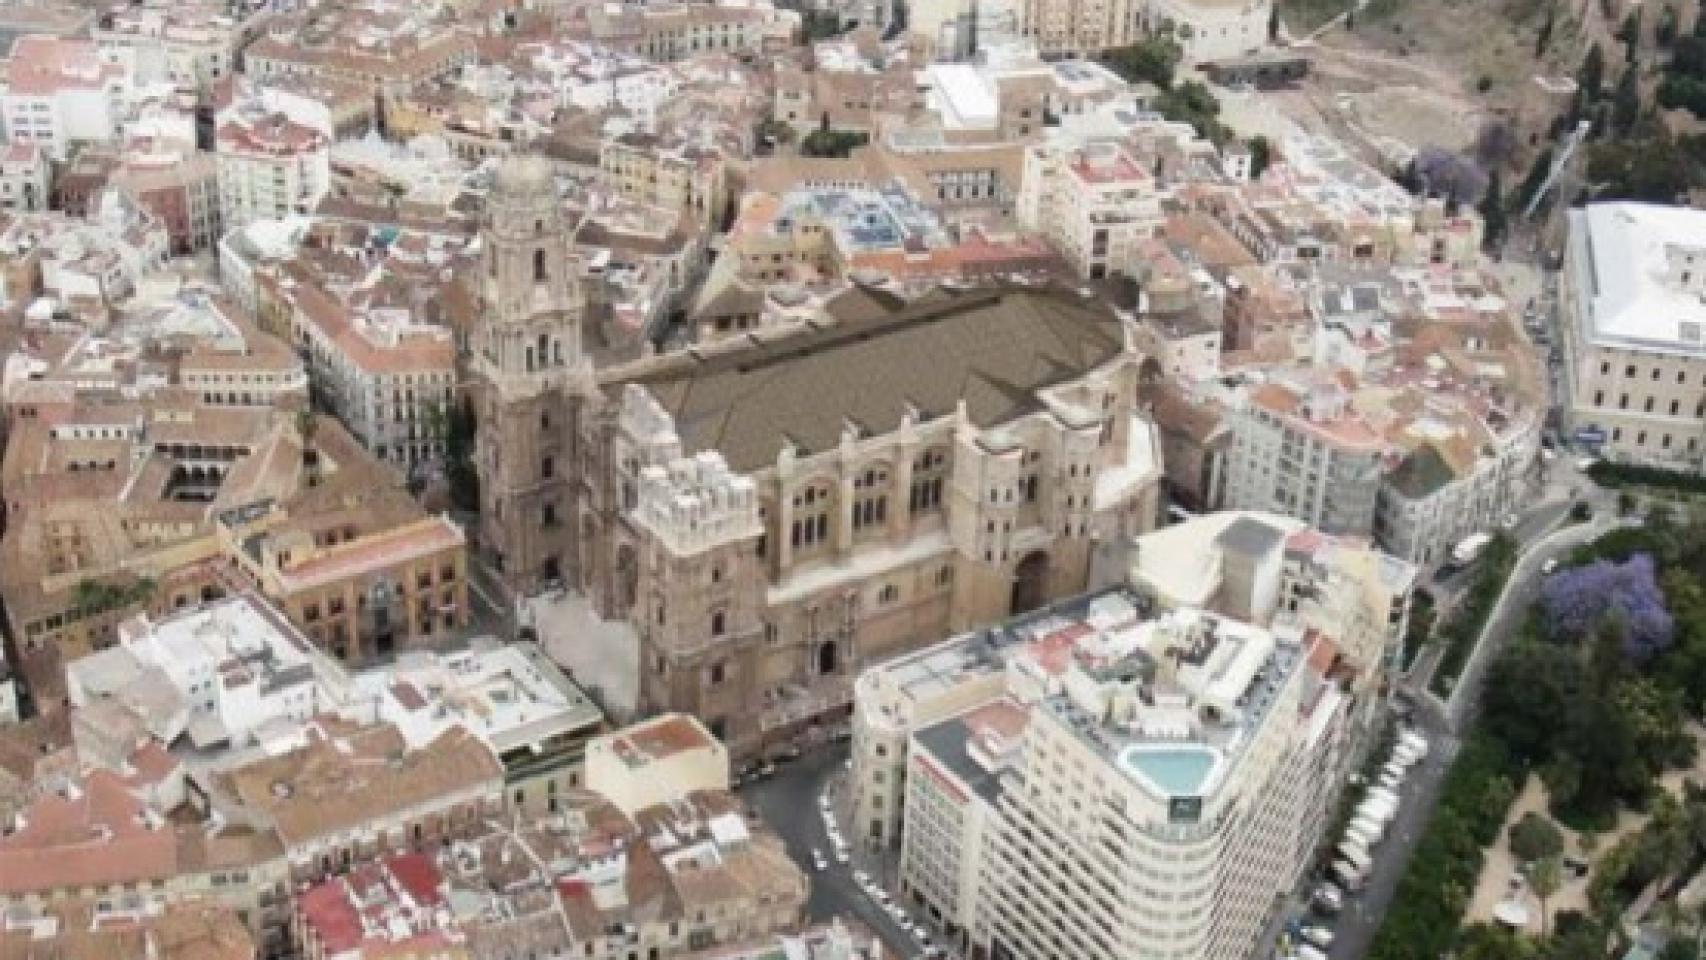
(788, 803)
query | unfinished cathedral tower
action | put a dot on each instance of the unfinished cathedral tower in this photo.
(531, 377)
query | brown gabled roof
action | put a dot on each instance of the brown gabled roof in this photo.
(993, 349)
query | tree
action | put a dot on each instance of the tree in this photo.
(1151, 60)
(1191, 102)
(459, 471)
(1592, 74)
(1493, 211)
(832, 143)
(1261, 155)
(1446, 173)
(1577, 600)
(1653, 168)
(1545, 877)
(1630, 34)
(1626, 101)
(1495, 144)
(1535, 837)
(1665, 32)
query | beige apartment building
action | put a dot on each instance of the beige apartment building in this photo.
(1166, 756)
(1079, 28)
(682, 177)
(1263, 569)
(361, 586)
(1632, 318)
(1095, 203)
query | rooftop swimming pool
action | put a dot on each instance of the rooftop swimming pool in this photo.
(1172, 770)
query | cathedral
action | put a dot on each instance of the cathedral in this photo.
(773, 513)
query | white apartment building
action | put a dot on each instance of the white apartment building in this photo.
(1210, 30)
(188, 45)
(1094, 203)
(1632, 307)
(235, 673)
(386, 376)
(256, 246)
(270, 165)
(1300, 449)
(26, 178)
(59, 92)
(1273, 570)
(1439, 494)
(217, 673)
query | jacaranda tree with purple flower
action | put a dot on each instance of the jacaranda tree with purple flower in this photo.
(1579, 600)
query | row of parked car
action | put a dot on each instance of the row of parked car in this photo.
(1353, 857)
(868, 884)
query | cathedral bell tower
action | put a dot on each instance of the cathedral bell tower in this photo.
(531, 374)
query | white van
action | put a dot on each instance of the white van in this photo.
(1376, 810)
(1406, 754)
(1367, 829)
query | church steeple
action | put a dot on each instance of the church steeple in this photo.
(531, 377)
(530, 298)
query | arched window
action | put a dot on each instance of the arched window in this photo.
(929, 472)
(812, 505)
(871, 499)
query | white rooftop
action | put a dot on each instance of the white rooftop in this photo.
(963, 95)
(509, 695)
(1640, 274)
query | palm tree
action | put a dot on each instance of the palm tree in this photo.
(1546, 876)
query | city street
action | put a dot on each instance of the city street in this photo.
(787, 802)
(1355, 926)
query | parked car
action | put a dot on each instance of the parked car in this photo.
(1318, 936)
(818, 862)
